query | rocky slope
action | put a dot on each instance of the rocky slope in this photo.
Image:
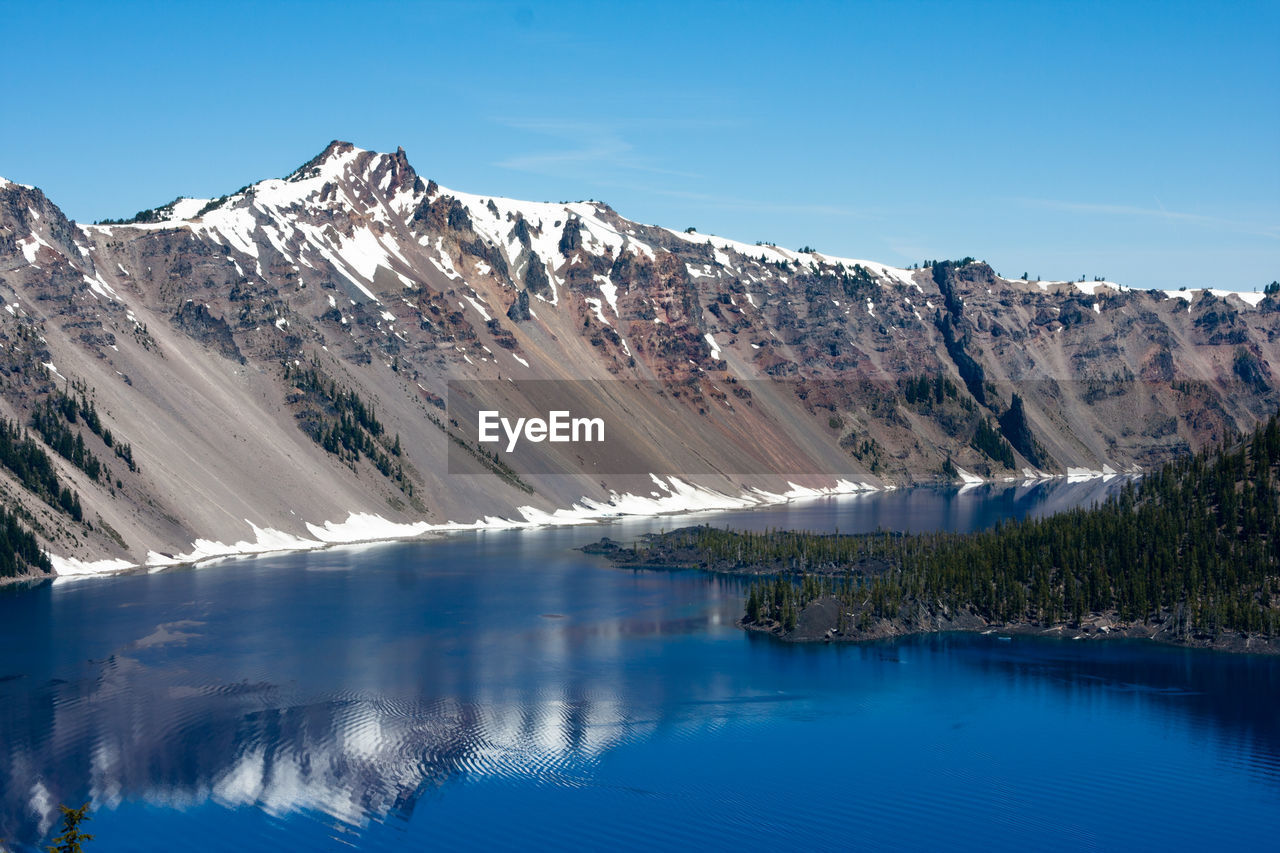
(249, 371)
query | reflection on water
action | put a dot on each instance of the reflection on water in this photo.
(341, 683)
(1232, 699)
(354, 697)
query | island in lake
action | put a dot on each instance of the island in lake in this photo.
(1190, 556)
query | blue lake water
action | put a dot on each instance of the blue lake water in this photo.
(501, 690)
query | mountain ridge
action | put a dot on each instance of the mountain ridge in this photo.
(228, 342)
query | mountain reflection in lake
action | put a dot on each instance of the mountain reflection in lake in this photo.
(504, 690)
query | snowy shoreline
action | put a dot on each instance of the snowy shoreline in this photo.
(368, 528)
(1031, 475)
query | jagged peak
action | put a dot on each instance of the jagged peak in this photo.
(332, 162)
(390, 172)
(333, 151)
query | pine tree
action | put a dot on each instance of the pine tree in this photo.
(72, 838)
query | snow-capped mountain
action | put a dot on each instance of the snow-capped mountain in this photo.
(269, 369)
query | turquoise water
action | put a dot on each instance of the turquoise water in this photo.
(502, 690)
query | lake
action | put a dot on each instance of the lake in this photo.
(502, 690)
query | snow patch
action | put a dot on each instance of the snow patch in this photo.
(609, 291)
(596, 306)
(71, 567)
(479, 308)
(365, 527)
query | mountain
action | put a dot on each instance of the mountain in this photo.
(273, 368)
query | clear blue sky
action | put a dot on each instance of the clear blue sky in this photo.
(1140, 141)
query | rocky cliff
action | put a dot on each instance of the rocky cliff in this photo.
(250, 371)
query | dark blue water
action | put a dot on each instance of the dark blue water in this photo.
(502, 690)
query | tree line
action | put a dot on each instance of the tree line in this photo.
(1197, 541)
(33, 468)
(345, 425)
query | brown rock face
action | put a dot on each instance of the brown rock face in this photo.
(280, 356)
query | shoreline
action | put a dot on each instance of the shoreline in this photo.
(681, 498)
(1100, 627)
(829, 619)
(816, 626)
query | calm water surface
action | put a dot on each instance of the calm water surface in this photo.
(502, 690)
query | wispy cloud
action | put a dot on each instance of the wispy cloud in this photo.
(612, 154)
(726, 202)
(597, 146)
(1160, 212)
(602, 153)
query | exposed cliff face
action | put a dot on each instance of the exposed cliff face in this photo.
(260, 355)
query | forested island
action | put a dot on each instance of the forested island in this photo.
(1189, 555)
